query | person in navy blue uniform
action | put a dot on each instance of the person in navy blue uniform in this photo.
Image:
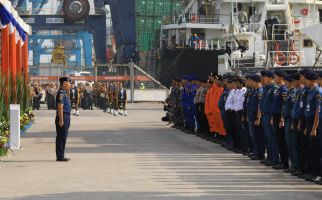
(221, 105)
(318, 179)
(188, 104)
(62, 120)
(192, 113)
(244, 143)
(266, 104)
(295, 145)
(254, 116)
(287, 116)
(278, 120)
(303, 148)
(312, 110)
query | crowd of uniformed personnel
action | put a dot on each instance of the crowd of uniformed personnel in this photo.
(109, 97)
(271, 116)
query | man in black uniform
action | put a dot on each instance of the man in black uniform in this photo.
(122, 100)
(37, 97)
(62, 121)
(74, 97)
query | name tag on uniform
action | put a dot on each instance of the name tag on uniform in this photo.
(301, 104)
(308, 108)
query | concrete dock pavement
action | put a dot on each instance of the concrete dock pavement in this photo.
(136, 158)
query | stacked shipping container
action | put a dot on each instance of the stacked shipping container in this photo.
(149, 15)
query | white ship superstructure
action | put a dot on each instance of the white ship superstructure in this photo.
(254, 33)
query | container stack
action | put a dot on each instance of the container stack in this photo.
(149, 17)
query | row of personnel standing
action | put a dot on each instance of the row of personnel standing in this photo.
(111, 97)
(271, 116)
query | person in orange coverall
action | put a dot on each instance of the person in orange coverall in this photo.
(211, 107)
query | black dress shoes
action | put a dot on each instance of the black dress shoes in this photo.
(63, 159)
(296, 173)
(280, 166)
(267, 163)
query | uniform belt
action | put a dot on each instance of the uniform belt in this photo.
(66, 113)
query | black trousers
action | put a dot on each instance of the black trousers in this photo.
(36, 103)
(230, 119)
(281, 142)
(298, 146)
(313, 152)
(238, 130)
(243, 133)
(203, 119)
(245, 138)
(62, 133)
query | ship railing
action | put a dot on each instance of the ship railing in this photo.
(279, 30)
(201, 19)
(277, 2)
(241, 62)
(286, 58)
(206, 44)
(252, 27)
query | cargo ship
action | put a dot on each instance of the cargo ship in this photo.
(171, 38)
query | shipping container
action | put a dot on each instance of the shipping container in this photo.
(149, 15)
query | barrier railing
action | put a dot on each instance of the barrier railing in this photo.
(277, 2)
(279, 30)
(201, 19)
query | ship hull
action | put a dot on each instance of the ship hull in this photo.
(187, 61)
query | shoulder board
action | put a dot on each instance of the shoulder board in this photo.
(61, 96)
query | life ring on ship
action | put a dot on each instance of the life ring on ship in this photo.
(296, 21)
(280, 58)
(305, 12)
(194, 18)
(293, 59)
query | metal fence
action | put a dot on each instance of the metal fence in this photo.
(129, 74)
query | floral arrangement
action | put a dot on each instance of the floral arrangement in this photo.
(4, 137)
(26, 119)
(9, 90)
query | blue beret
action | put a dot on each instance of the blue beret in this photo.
(289, 78)
(280, 73)
(320, 74)
(247, 76)
(65, 79)
(267, 73)
(255, 77)
(296, 76)
(187, 78)
(194, 78)
(184, 77)
(311, 75)
(303, 71)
